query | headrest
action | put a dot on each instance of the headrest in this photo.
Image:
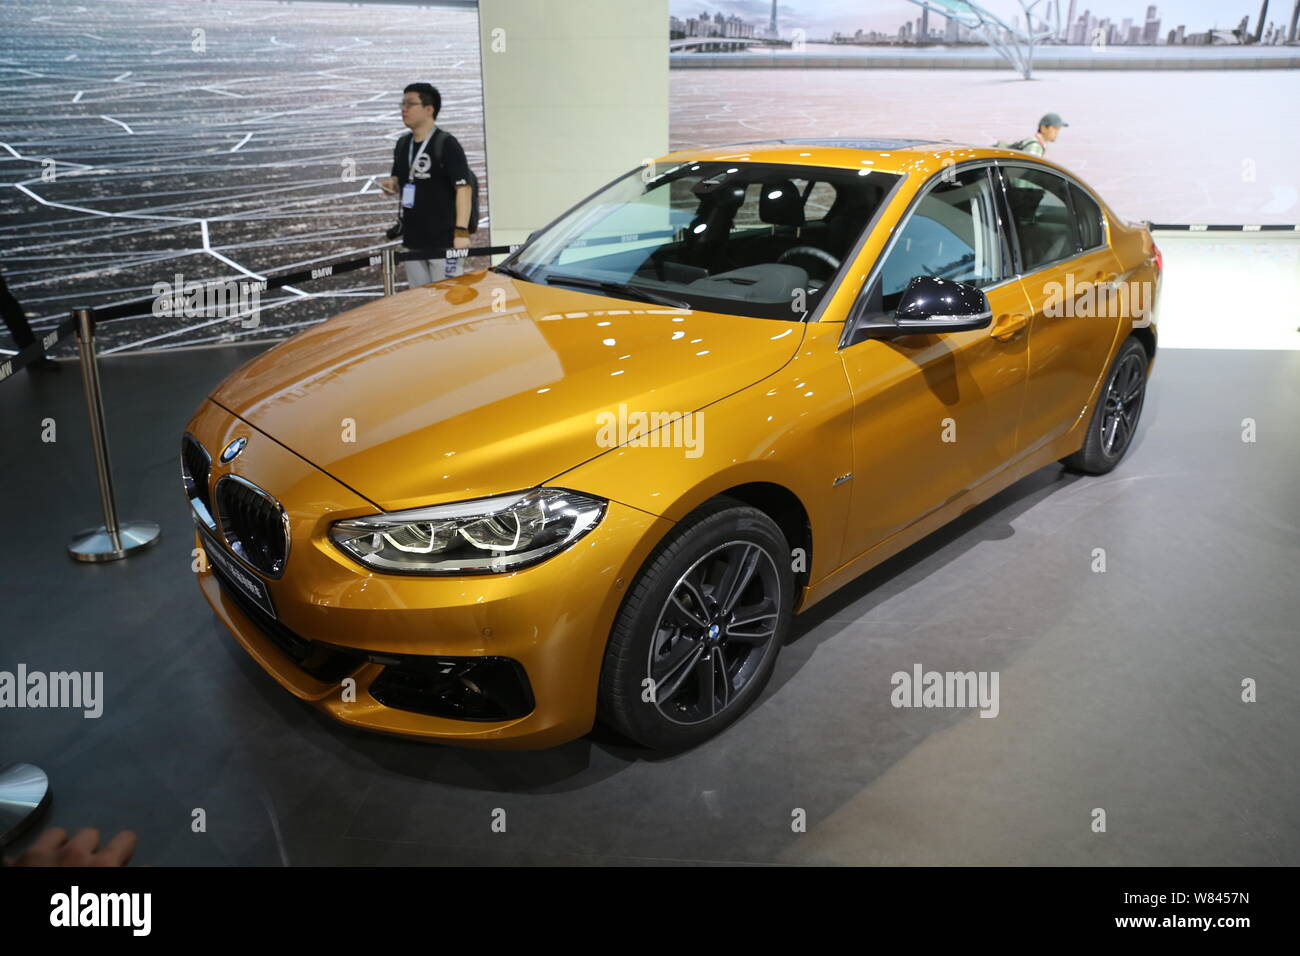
(719, 193)
(780, 204)
(717, 206)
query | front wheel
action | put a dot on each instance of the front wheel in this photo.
(697, 638)
(1114, 420)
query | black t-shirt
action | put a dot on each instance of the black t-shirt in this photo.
(430, 223)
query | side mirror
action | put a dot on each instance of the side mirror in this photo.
(928, 305)
(932, 305)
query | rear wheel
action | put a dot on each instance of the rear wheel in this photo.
(697, 637)
(1115, 419)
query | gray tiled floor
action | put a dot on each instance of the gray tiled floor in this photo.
(1118, 690)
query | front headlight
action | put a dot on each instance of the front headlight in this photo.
(473, 537)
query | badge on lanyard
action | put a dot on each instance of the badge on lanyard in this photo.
(413, 166)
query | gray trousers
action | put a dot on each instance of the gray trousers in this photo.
(424, 271)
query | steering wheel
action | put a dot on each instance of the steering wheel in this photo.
(812, 252)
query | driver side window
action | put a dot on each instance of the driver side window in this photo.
(952, 233)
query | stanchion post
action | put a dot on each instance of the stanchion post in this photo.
(112, 540)
(24, 798)
(388, 262)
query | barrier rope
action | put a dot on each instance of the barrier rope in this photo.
(142, 306)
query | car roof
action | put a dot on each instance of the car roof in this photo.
(893, 155)
(871, 143)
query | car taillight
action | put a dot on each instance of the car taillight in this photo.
(1160, 260)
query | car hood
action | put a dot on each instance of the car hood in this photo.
(480, 385)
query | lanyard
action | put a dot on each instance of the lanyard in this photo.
(411, 156)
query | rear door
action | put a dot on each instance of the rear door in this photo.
(1069, 275)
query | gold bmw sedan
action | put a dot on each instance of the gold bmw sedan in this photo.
(597, 480)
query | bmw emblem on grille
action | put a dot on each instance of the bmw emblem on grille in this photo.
(231, 451)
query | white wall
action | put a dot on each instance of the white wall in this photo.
(575, 92)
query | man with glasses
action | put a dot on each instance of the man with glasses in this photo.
(432, 177)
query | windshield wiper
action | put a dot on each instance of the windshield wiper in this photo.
(617, 288)
(511, 271)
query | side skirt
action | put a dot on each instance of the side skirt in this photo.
(1067, 444)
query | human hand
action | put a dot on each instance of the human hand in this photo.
(387, 185)
(53, 848)
(460, 242)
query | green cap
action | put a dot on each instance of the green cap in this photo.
(1052, 119)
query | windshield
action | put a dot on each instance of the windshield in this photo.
(756, 239)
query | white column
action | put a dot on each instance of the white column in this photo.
(575, 93)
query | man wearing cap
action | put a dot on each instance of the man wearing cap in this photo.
(1049, 127)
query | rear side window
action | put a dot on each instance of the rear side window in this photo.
(1092, 231)
(1040, 210)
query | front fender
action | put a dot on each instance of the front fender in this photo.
(793, 429)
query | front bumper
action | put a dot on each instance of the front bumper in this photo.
(356, 644)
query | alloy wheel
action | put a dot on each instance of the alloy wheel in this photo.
(1122, 405)
(714, 632)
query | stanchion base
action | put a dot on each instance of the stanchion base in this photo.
(24, 795)
(96, 544)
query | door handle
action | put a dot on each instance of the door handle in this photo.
(1007, 327)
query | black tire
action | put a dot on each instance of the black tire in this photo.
(1115, 419)
(683, 644)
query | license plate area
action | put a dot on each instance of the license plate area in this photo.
(234, 574)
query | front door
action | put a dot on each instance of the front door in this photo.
(936, 414)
